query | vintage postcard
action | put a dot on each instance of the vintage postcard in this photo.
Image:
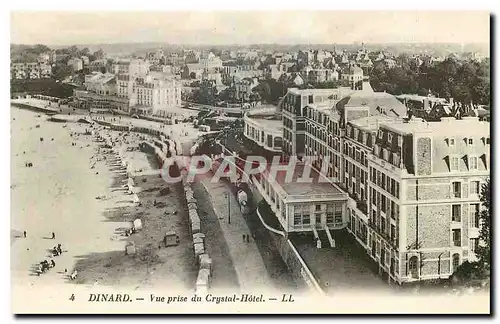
(314, 162)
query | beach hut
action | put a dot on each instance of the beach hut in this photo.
(137, 201)
(198, 240)
(137, 224)
(205, 262)
(191, 201)
(192, 206)
(203, 280)
(130, 184)
(199, 248)
(130, 248)
(199, 235)
(171, 238)
(195, 227)
(193, 214)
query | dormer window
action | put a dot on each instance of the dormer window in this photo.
(470, 141)
(487, 141)
(453, 163)
(389, 138)
(451, 142)
(473, 163)
(380, 134)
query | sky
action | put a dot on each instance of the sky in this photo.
(249, 27)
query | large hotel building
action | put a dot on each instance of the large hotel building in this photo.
(407, 190)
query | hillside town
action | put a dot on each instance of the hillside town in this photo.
(397, 144)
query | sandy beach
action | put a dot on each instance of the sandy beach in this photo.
(58, 194)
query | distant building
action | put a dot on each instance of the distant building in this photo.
(31, 70)
(124, 85)
(135, 67)
(265, 128)
(85, 60)
(97, 66)
(76, 64)
(155, 95)
(353, 74)
(243, 88)
(104, 84)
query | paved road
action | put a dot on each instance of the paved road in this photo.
(250, 269)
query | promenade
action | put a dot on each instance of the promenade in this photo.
(251, 271)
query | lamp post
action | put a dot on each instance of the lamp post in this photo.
(228, 207)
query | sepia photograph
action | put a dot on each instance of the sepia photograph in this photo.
(250, 162)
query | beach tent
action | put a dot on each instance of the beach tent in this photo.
(136, 199)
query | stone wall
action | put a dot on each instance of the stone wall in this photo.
(424, 156)
(298, 268)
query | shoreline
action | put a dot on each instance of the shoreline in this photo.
(107, 178)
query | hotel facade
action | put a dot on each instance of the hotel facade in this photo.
(412, 187)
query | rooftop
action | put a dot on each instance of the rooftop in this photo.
(414, 97)
(297, 91)
(296, 186)
(447, 126)
(372, 123)
(101, 78)
(266, 116)
(378, 102)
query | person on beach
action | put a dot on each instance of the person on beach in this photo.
(248, 238)
(24, 234)
(244, 238)
(53, 235)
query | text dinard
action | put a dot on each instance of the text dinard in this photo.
(242, 298)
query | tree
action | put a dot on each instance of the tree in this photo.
(484, 249)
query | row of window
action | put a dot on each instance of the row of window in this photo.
(456, 214)
(302, 214)
(386, 205)
(472, 163)
(456, 188)
(390, 137)
(385, 182)
(468, 141)
(358, 155)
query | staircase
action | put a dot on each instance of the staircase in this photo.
(329, 236)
